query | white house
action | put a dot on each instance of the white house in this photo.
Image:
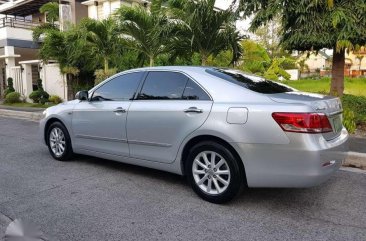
(19, 53)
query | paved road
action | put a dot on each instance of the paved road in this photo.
(94, 199)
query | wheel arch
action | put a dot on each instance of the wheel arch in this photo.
(48, 124)
(197, 139)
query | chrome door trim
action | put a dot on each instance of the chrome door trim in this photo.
(149, 143)
(193, 110)
(101, 138)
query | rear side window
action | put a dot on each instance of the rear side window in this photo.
(250, 82)
(194, 92)
(121, 88)
(163, 86)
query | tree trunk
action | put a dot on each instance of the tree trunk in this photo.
(337, 84)
(204, 58)
(70, 90)
(106, 65)
(151, 61)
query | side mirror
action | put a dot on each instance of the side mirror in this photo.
(82, 95)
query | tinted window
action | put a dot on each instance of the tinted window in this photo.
(163, 86)
(194, 92)
(251, 82)
(121, 88)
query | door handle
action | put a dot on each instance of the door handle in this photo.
(193, 110)
(119, 110)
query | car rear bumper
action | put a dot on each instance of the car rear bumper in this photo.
(308, 160)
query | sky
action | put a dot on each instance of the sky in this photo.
(241, 25)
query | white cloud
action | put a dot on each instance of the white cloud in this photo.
(241, 25)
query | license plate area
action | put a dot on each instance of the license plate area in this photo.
(337, 123)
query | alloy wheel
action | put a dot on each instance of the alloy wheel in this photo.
(57, 141)
(211, 172)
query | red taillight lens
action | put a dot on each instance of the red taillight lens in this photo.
(303, 122)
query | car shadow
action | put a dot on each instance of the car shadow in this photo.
(273, 198)
(131, 169)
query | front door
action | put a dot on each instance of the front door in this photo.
(169, 107)
(99, 124)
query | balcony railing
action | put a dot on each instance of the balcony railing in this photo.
(17, 23)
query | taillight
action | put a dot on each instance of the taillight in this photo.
(303, 122)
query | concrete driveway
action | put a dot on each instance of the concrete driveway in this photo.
(96, 199)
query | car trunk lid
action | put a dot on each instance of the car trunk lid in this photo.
(328, 105)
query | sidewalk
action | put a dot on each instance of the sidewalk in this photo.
(28, 113)
(356, 155)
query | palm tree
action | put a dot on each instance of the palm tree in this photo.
(103, 38)
(148, 32)
(209, 30)
(71, 51)
(51, 9)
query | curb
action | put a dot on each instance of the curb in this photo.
(32, 116)
(356, 160)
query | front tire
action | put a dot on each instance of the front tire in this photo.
(213, 172)
(59, 142)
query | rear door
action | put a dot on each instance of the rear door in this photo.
(168, 108)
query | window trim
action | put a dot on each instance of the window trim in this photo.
(95, 88)
(173, 71)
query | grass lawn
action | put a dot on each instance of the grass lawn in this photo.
(35, 105)
(353, 86)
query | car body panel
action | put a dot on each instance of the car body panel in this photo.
(157, 128)
(96, 126)
(158, 131)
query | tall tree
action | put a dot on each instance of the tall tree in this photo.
(268, 35)
(103, 38)
(209, 30)
(255, 58)
(147, 31)
(51, 9)
(313, 25)
(71, 51)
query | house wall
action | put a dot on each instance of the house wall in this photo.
(104, 9)
(356, 65)
(38, 18)
(315, 62)
(81, 12)
(15, 33)
(53, 81)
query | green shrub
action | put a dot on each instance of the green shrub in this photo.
(39, 96)
(357, 104)
(55, 99)
(10, 88)
(13, 97)
(101, 75)
(349, 120)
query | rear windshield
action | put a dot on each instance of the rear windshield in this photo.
(250, 82)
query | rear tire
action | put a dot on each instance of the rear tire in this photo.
(59, 142)
(213, 172)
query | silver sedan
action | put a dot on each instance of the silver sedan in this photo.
(221, 128)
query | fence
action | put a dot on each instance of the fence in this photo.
(17, 23)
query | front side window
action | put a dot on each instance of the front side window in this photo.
(163, 86)
(121, 88)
